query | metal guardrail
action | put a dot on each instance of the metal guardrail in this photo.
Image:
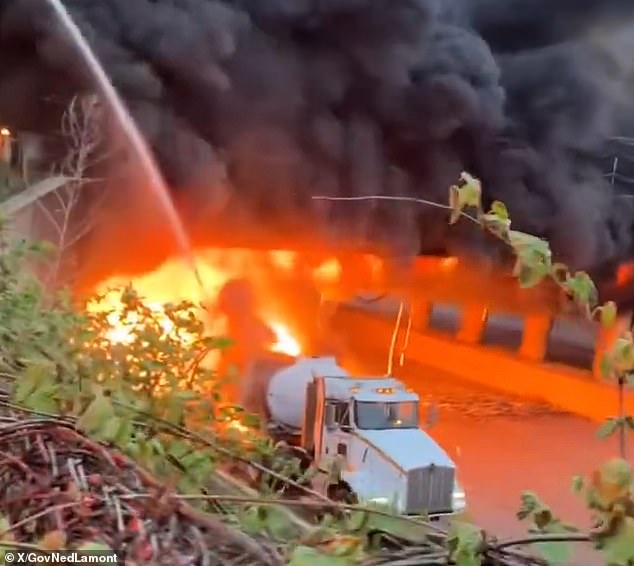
(571, 343)
(572, 390)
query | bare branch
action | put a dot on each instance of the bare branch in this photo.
(396, 199)
(82, 129)
(50, 217)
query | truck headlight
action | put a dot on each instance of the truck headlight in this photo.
(458, 499)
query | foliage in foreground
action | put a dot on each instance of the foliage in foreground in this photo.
(534, 263)
(136, 379)
(609, 493)
(61, 361)
(149, 393)
(85, 497)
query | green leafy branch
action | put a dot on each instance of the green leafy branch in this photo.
(154, 399)
(152, 395)
(534, 264)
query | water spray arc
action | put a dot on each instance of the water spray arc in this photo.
(128, 126)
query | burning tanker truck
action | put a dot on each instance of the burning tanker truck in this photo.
(368, 428)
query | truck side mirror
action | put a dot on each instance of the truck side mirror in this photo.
(329, 417)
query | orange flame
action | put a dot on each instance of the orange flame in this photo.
(174, 281)
(124, 327)
(448, 263)
(287, 286)
(328, 271)
(283, 259)
(236, 425)
(432, 264)
(625, 274)
(286, 343)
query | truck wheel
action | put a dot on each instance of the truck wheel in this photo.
(342, 492)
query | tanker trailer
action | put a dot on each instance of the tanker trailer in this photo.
(367, 426)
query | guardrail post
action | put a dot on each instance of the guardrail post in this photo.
(535, 337)
(474, 318)
(421, 315)
(606, 339)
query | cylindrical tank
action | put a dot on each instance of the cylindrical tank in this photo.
(286, 391)
(255, 382)
(275, 386)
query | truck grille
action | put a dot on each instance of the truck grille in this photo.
(430, 490)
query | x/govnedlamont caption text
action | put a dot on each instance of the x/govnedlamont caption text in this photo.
(59, 557)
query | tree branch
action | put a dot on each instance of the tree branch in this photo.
(541, 539)
(81, 127)
(396, 199)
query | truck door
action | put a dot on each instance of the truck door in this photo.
(308, 426)
(337, 438)
(318, 425)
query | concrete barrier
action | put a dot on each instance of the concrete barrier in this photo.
(574, 391)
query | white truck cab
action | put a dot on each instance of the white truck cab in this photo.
(369, 428)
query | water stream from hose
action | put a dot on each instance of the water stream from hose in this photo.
(129, 127)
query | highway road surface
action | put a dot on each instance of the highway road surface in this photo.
(503, 446)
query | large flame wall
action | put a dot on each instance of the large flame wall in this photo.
(271, 299)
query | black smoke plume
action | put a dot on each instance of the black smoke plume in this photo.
(285, 99)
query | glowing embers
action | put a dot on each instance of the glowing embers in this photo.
(625, 274)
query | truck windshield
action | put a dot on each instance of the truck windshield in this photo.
(377, 416)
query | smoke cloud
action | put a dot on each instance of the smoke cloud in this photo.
(262, 104)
